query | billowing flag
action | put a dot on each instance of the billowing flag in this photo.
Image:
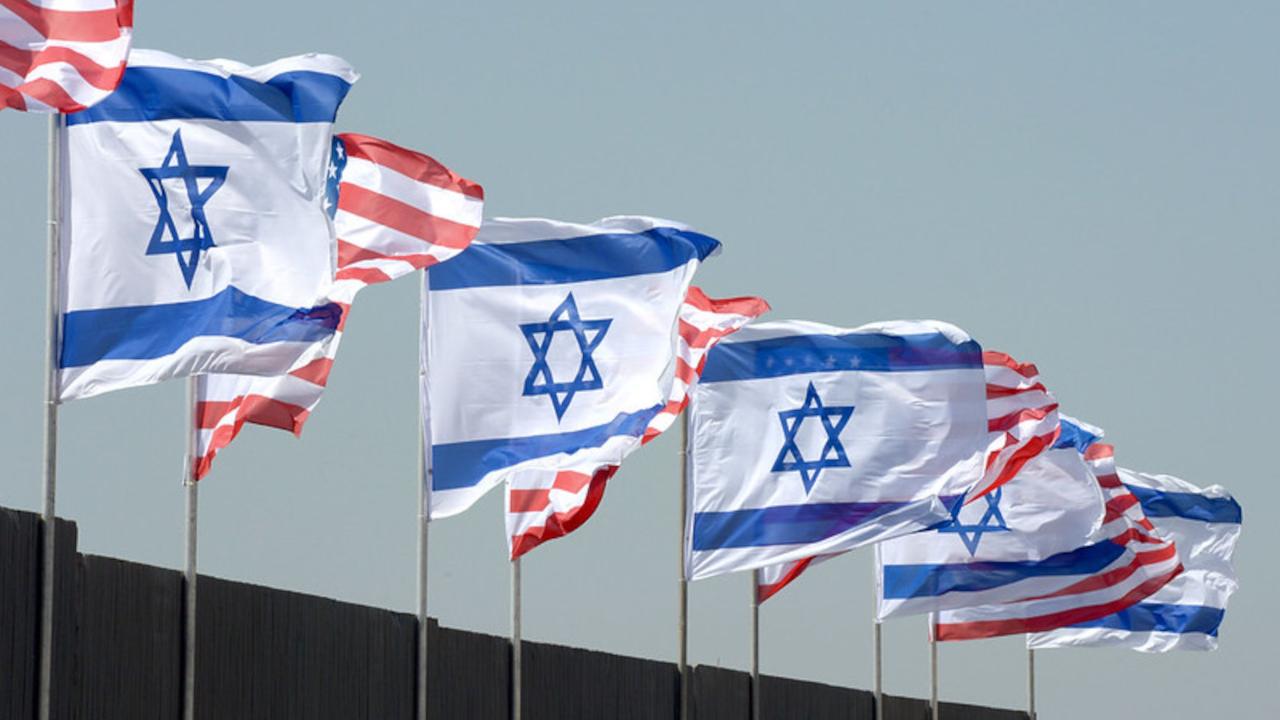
(546, 504)
(551, 346)
(1186, 613)
(62, 55)
(1037, 534)
(1022, 420)
(394, 211)
(194, 235)
(807, 439)
(1132, 563)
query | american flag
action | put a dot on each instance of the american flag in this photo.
(1147, 564)
(1022, 422)
(62, 55)
(545, 505)
(395, 211)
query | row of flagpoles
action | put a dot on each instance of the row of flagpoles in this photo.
(799, 441)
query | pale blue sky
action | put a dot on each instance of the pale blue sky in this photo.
(1092, 186)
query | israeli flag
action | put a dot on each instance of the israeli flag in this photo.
(1035, 535)
(1186, 613)
(195, 236)
(807, 439)
(551, 346)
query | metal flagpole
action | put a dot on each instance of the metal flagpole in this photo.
(190, 575)
(933, 672)
(683, 623)
(50, 479)
(424, 496)
(755, 645)
(1031, 684)
(877, 669)
(516, 673)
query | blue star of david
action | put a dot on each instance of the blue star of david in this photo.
(587, 333)
(166, 239)
(833, 420)
(971, 534)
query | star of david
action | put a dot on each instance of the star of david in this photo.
(833, 420)
(587, 333)
(166, 239)
(971, 534)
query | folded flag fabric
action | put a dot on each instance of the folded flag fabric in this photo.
(194, 233)
(542, 504)
(551, 346)
(807, 439)
(1022, 421)
(394, 211)
(62, 55)
(1036, 535)
(1186, 613)
(1140, 563)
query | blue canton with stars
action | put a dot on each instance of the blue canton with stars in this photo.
(833, 420)
(587, 333)
(971, 534)
(333, 178)
(165, 239)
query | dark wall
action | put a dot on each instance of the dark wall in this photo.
(267, 654)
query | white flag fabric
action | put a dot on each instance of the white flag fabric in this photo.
(1140, 563)
(194, 233)
(807, 439)
(1187, 613)
(551, 346)
(1022, 421)
(546, 504)
(1035, 535)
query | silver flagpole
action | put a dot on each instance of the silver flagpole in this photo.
(516, 670)
(190, 574)
(424, 495)
(682, 627)
(755, 645)
(933, 672)
(1031, 684)
(53, 301)
(877, 669)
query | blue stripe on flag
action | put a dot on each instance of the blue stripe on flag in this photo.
(463, 465)
(783, 524)
(1074, 436)
(1160, 617)
(915, 581)
(592, 257)
(874, 352)
(145, 332)
(1193, 506)
(155, 93)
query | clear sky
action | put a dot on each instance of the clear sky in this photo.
(1093, 186)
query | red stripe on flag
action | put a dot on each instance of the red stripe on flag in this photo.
(366, 275)
(764, 592)
(1002, 391)
(422, 168)
(315, 372)
(210, 412)
(349, 254)
(1022, 456)
(1118, 575)
(561, 524)
(1116, 506)
(1110, 481)
(748, 305)
(993, 357)
(78, 26)
(52, 94)
(403, 217)
(1018, 417)
(20, 62)
(1044, 623)
(1099, 451)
